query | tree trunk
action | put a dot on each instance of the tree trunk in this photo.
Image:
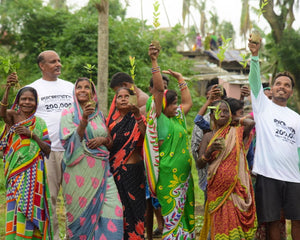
(277, 22)
(103, 34)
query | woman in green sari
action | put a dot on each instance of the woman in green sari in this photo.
(25, 142)
(167, 157)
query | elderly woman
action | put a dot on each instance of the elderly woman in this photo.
(230, 211)
(93, 206)
(25, 142)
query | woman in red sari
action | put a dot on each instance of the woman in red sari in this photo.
(230, 209)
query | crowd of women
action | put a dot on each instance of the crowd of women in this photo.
(109, 163)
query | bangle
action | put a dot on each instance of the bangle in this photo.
(155, 69)
(31, 134)
(84, 121)
(182, 85)
(140, 121)
(137, 119)
(3, 104)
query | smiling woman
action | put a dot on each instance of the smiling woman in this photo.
(25, 142)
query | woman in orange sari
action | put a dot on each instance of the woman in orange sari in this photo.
(230, 211)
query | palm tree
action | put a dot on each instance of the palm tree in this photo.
(103, 34)
(245, 20)
(58, 4)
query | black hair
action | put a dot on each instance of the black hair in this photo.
(118, 78)
(164, 77)
(124, 88)
(27, 89)
(81, 79)
(234, 104)
(286, 74)
(265, 84)
(170, 97)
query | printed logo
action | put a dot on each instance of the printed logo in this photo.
(286, 133)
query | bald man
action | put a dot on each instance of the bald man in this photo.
(54, 95)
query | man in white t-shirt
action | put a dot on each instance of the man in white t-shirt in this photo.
(54, 95)
(277, 153)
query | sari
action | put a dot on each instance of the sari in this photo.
(169, 174)
(230, 211)
(130, 178)
(92, 203)
(28, 211)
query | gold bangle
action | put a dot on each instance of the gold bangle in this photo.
(3, 104)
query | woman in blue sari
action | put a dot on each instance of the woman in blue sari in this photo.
(93, 206)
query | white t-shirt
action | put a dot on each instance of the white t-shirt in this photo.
(277, 140)
(54, 96)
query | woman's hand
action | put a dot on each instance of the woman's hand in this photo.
(217, 145)
(153, 52)
(96, 142)
(135, 110)
(88, 109)
(12, 79)
(176, 75)
(21, 130)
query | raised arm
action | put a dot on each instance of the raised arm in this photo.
(254, 75)
(158, 85)
(6, 114)
(186, 99)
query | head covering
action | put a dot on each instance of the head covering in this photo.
(78, 109)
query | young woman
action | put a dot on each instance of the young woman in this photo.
(230, 209)
(93, 206)
(25, 142)
(127, 128)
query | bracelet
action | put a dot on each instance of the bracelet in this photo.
(140, 121)
(3, 104)
(84, 121)
(182, 85)
(137, 119)
(155, 69)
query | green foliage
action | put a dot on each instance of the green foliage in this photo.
(261, 8)
(226, 29)
(223, 49)
(245, 59)
(284, 57)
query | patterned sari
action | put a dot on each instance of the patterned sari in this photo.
(170, 174)
(93, 206)
(28, 211)
(130, 178)
(230, 211)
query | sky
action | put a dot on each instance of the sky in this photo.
(227, 10)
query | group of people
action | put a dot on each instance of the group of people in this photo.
(55, 135)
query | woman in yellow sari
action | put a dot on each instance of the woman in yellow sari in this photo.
(230, 209)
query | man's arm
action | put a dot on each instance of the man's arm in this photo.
(254, 75)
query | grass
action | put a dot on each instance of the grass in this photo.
(199, 199)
